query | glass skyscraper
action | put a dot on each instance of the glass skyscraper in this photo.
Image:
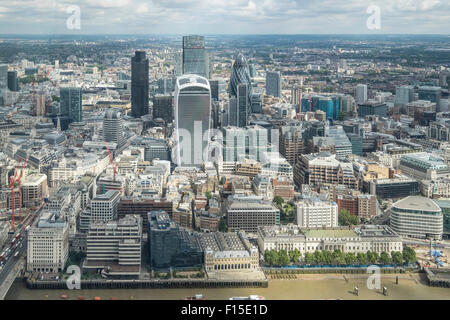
(273, 83)
(139, 84)
(241, 88)
(70, 105)
(192, 119)
(195, 57)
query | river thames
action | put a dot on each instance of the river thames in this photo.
(306, 287)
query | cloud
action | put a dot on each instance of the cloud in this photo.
(225, 16)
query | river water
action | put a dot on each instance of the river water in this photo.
(334, 287)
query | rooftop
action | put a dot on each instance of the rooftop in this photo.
(417, 203)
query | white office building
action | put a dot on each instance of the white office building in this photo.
(315, 213)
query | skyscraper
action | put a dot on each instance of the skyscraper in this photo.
(139, 84)
(241, 88)
(192, 119)
(432, 94)
(273, 83)
(195, 57)
(13, 83)
(113, 127)
(163, 107)
(404, 95)
(71, 104)
(361, 93)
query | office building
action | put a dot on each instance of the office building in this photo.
(424, 166)
(195, 57)
(404, 95)
(323, 168)
(34, 189)
(432, 94)
(244, 143)
(273, 83)
(170, 245)
(372, 109)
(13, 82)
(192, 120)
(240, 86)
(361, 94)
(115, 247)
(113, 127)
(104, 206)
(394, 188)
(417, 217)
(141, 207)
(315, 213)
(70, 105)
(291, 143)
(139, 84)
(48, 244)
(163, 108)
(248, 213)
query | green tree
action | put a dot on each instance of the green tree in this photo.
(362, 258)
(278, 201)
(385, 258)
(271, 257)
(208, 195)
(345, 218)
(372, 257)
(319, 257)
(283, 258)
(309, 258)
(327, 257)
(338, 257)
(397, 257)
(350, 258)
(295, 255)
(409, 255)
(341, 116)
(222, 225)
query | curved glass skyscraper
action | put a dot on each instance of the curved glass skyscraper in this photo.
(239, 74)
(192, 119)
(241, 88)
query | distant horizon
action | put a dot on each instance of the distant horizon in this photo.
(225, 34)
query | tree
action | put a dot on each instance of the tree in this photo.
(295, 255)
(372, 257)
(208, 195)
(341, 116)
(409, 255)
(345, 218)
(283, 258)
(318, 257)
(338, 257)
(327, 256)
(385, 258)
(362, 258)
(309, 258)
(222, 225)
(397, 257)
(278, 201)
(271, 257)
(350, 258)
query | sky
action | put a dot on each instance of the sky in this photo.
(225, 16)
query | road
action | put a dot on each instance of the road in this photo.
(9, 269)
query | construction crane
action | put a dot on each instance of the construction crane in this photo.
(111, 161)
